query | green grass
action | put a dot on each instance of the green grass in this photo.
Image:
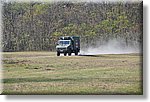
(45, 73)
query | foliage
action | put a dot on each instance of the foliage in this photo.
(36, 26)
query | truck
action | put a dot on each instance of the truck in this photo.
(68, 45)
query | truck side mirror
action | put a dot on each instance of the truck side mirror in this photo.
(56, 43)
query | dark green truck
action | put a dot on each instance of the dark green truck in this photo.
(68, 45)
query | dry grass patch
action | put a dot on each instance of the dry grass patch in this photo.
(45, 73)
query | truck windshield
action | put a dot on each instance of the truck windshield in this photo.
(64, 42)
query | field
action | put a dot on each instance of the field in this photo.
(45, 73)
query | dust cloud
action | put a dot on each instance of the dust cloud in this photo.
(115, 46)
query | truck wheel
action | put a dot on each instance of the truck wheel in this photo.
(58, 53)
(65, 54)
(76, 52)
(69, 53)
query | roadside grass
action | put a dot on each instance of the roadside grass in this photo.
(45, 73)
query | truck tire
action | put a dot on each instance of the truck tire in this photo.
(58, 53)
(69, 53)
(65, 54)
(76, 52)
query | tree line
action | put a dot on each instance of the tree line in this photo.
(37, 26)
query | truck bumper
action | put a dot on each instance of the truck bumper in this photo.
(62, 51)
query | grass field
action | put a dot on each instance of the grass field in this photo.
(45, 73)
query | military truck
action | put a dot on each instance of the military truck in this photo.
(68, 45)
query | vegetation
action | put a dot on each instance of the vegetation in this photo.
(45, 73)
(37, 26)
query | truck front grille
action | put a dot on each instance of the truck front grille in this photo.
(61, 48)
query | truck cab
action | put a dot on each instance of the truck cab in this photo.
(68, 45)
